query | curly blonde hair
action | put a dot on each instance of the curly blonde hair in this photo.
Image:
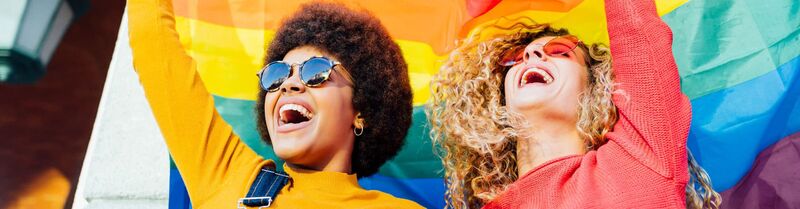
(476, 133)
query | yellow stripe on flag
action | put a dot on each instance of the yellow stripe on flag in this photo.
(227, 58)
(666, 6)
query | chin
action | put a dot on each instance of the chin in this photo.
(295, 143)
(296, 157)
(288, 148)
(522, 102)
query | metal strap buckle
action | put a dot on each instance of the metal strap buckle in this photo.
(240, 203)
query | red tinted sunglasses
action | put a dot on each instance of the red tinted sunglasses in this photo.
(557, 46)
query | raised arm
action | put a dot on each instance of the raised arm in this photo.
(654, 113)
(204, 147)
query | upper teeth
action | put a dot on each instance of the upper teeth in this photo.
(302, 110)
(545, 75)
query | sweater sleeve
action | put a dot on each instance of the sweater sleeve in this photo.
(654, 115)
(203, 145)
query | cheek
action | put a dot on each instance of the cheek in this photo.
(572, 71)
(334, 128)
(580, 77)
(269, 103)
(509, 83)
(583, 77)
(337, 108)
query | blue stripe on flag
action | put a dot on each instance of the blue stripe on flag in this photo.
(731, 127)
(428, 192)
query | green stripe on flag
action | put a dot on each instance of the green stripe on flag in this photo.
(241, 116)
(416, 159)
(718, 44)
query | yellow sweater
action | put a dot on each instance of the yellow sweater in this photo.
(216, 165)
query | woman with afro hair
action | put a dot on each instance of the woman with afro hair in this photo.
(539, 119)
(335, 104)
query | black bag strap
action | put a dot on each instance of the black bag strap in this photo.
(264, 189)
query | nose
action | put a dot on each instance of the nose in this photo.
(293, 84)
(534, 51)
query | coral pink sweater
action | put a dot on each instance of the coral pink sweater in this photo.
(643, 165)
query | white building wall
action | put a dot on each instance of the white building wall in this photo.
(126, 164)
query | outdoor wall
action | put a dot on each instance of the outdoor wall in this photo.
(126, 164)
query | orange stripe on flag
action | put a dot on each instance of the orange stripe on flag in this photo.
(440, 19)
(508, 7)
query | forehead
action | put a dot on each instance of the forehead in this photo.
(303, 53)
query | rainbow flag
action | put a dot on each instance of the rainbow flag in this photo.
(738, 61)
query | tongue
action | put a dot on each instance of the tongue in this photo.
(292, 116)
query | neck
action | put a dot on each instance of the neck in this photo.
(547, 141)
(338, 161)
(332, 165)
(322, 181)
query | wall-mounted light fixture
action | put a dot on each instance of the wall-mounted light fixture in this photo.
(30, 31)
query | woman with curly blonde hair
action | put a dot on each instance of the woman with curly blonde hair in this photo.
(537, 119)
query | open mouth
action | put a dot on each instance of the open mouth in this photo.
(535, 75)
(293, 114)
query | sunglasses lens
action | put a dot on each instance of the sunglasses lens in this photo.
(315, 71)
(273, 76)
(512, 56)
(560, 45)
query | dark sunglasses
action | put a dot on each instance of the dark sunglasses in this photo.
(313, 72)
(557, 46)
